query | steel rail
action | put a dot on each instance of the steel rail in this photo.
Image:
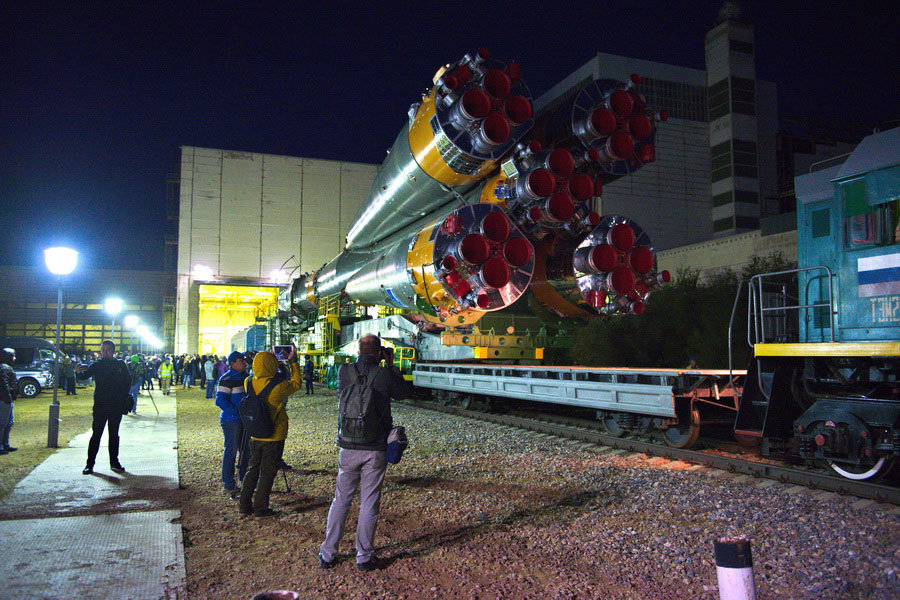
(810, 479)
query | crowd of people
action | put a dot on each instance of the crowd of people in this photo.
(117, 379)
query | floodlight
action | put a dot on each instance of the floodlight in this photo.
(113, 306)
(60, 261)
(131, 321)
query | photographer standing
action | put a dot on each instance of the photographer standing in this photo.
(362, 456)
(265, 453)
(9, 390)
(111, 401)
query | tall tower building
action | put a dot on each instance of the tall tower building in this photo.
(739, 132)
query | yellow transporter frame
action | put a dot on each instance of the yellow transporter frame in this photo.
(828, 349)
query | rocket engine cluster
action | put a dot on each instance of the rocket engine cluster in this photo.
(479, 203)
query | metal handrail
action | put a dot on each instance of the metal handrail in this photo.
(756, 285)
(737, 298)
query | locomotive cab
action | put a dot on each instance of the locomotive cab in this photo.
(824, 383)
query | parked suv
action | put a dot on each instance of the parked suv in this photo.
(32, 381)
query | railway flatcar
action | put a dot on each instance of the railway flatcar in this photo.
(823, 381)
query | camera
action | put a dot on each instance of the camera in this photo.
(283, 352)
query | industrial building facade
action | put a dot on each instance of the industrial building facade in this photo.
(246, 223)
(28, 306)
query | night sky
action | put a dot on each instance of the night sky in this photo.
(96, 98)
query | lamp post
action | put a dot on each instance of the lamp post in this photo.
(60, 262)
(113, 307)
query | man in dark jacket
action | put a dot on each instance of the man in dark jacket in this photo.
(360, 465)
(110, 396)
(9, 389)
(229, 393)
(308, 373)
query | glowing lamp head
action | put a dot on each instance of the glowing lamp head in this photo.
(131, 321)
(113, 306)
(60, 261)
(202, 272)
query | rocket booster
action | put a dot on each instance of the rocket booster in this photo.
(477, 110)
(476, 206)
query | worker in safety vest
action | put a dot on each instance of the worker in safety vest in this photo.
(165, 375)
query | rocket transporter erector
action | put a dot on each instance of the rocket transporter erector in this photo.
(479, 202)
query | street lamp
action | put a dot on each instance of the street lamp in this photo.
(60, 262)
(113, 307)
(131, 322)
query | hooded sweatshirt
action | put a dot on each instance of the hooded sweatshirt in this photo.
(265, 366)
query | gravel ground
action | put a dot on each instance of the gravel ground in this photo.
(480, 511)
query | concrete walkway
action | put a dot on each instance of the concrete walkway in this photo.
(104, 536)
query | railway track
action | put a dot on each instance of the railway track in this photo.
(784, 474)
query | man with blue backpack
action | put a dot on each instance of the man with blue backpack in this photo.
(229, 393)
(365, 391)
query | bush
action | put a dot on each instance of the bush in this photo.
(685, 318)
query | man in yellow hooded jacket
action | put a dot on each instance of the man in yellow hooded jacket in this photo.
(266, 453)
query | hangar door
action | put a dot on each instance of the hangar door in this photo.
(228, 309)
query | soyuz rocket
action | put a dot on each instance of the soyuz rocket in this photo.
(479, 203)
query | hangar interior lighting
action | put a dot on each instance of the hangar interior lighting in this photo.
(202, 272)
(278, 276)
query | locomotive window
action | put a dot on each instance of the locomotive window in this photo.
(821, 223)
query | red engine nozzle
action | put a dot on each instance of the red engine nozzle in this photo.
(621, 280)
(621, 236)
(560, 206)
(596, 259)
(497, 83)
(641, 260)
(621, 103)
(495, 227)
(474, 249)
(517, 251)
(518, 109)
(581, 186)
(495, 272)
(561, 162)
(474, 104)
(539, 183)
(620, 145)
(602, 122)
(495, 129)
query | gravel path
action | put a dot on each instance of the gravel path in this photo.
(481, 511)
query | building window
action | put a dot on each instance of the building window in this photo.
(722, 199)
(746, 197)
(746, 222)
(743, 96)
(681, 100)
(723, 224)
(739, 46)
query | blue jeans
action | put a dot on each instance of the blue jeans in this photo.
(188, 380)
(210, 389)
(134, 393)
(232, 432)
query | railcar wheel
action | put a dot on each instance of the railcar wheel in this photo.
(747, 441)
(610, 426)
(466, 402)
(862, 472)
(684, 435)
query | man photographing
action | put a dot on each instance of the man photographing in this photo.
(113, 384)
(362, 463)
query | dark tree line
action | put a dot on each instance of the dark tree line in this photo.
(686, 318)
